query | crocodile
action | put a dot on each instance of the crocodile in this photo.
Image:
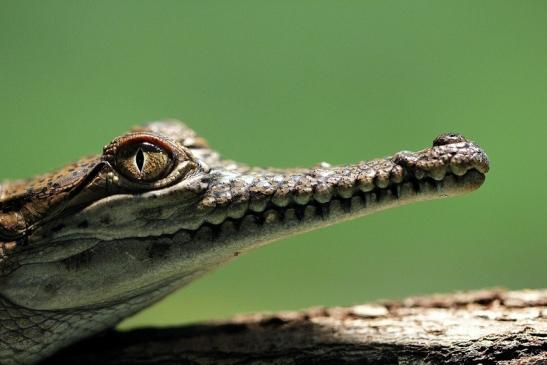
(88, 245)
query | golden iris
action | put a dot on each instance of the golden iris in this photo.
(144, 162)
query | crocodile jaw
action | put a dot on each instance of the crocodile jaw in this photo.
(129, 245)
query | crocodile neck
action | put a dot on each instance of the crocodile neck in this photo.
(74, 275)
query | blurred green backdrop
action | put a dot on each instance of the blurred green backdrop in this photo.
(289, 83)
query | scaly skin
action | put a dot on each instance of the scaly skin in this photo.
(89, 245)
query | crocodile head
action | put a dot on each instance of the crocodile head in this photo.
(111, 234)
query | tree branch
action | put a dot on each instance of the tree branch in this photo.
(482, 327)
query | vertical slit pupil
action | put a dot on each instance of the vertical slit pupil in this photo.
(139, 159)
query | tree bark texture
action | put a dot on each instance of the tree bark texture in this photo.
(482, 327)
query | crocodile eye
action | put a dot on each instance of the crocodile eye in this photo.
(144, 161)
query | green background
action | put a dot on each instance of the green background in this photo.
(290, 83)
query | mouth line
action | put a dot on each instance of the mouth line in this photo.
(409, 190)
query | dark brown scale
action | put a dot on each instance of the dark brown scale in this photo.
(25, 202)
(49, 184)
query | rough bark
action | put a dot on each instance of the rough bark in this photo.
(482, 327)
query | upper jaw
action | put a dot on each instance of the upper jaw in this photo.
(451, 166)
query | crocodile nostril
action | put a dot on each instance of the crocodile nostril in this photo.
(448, 138)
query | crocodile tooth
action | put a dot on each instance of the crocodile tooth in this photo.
(437, 173)
(397, 174)
(281, 198)
(366, 180)
(382, 179)
(345, 187)
(457, 169)
(323, 193)
(303, 191)
(302, 197)
(260, 192)
(258, 205)
(238, 209)
(217, 216)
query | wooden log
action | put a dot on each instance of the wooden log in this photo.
(482, 327)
